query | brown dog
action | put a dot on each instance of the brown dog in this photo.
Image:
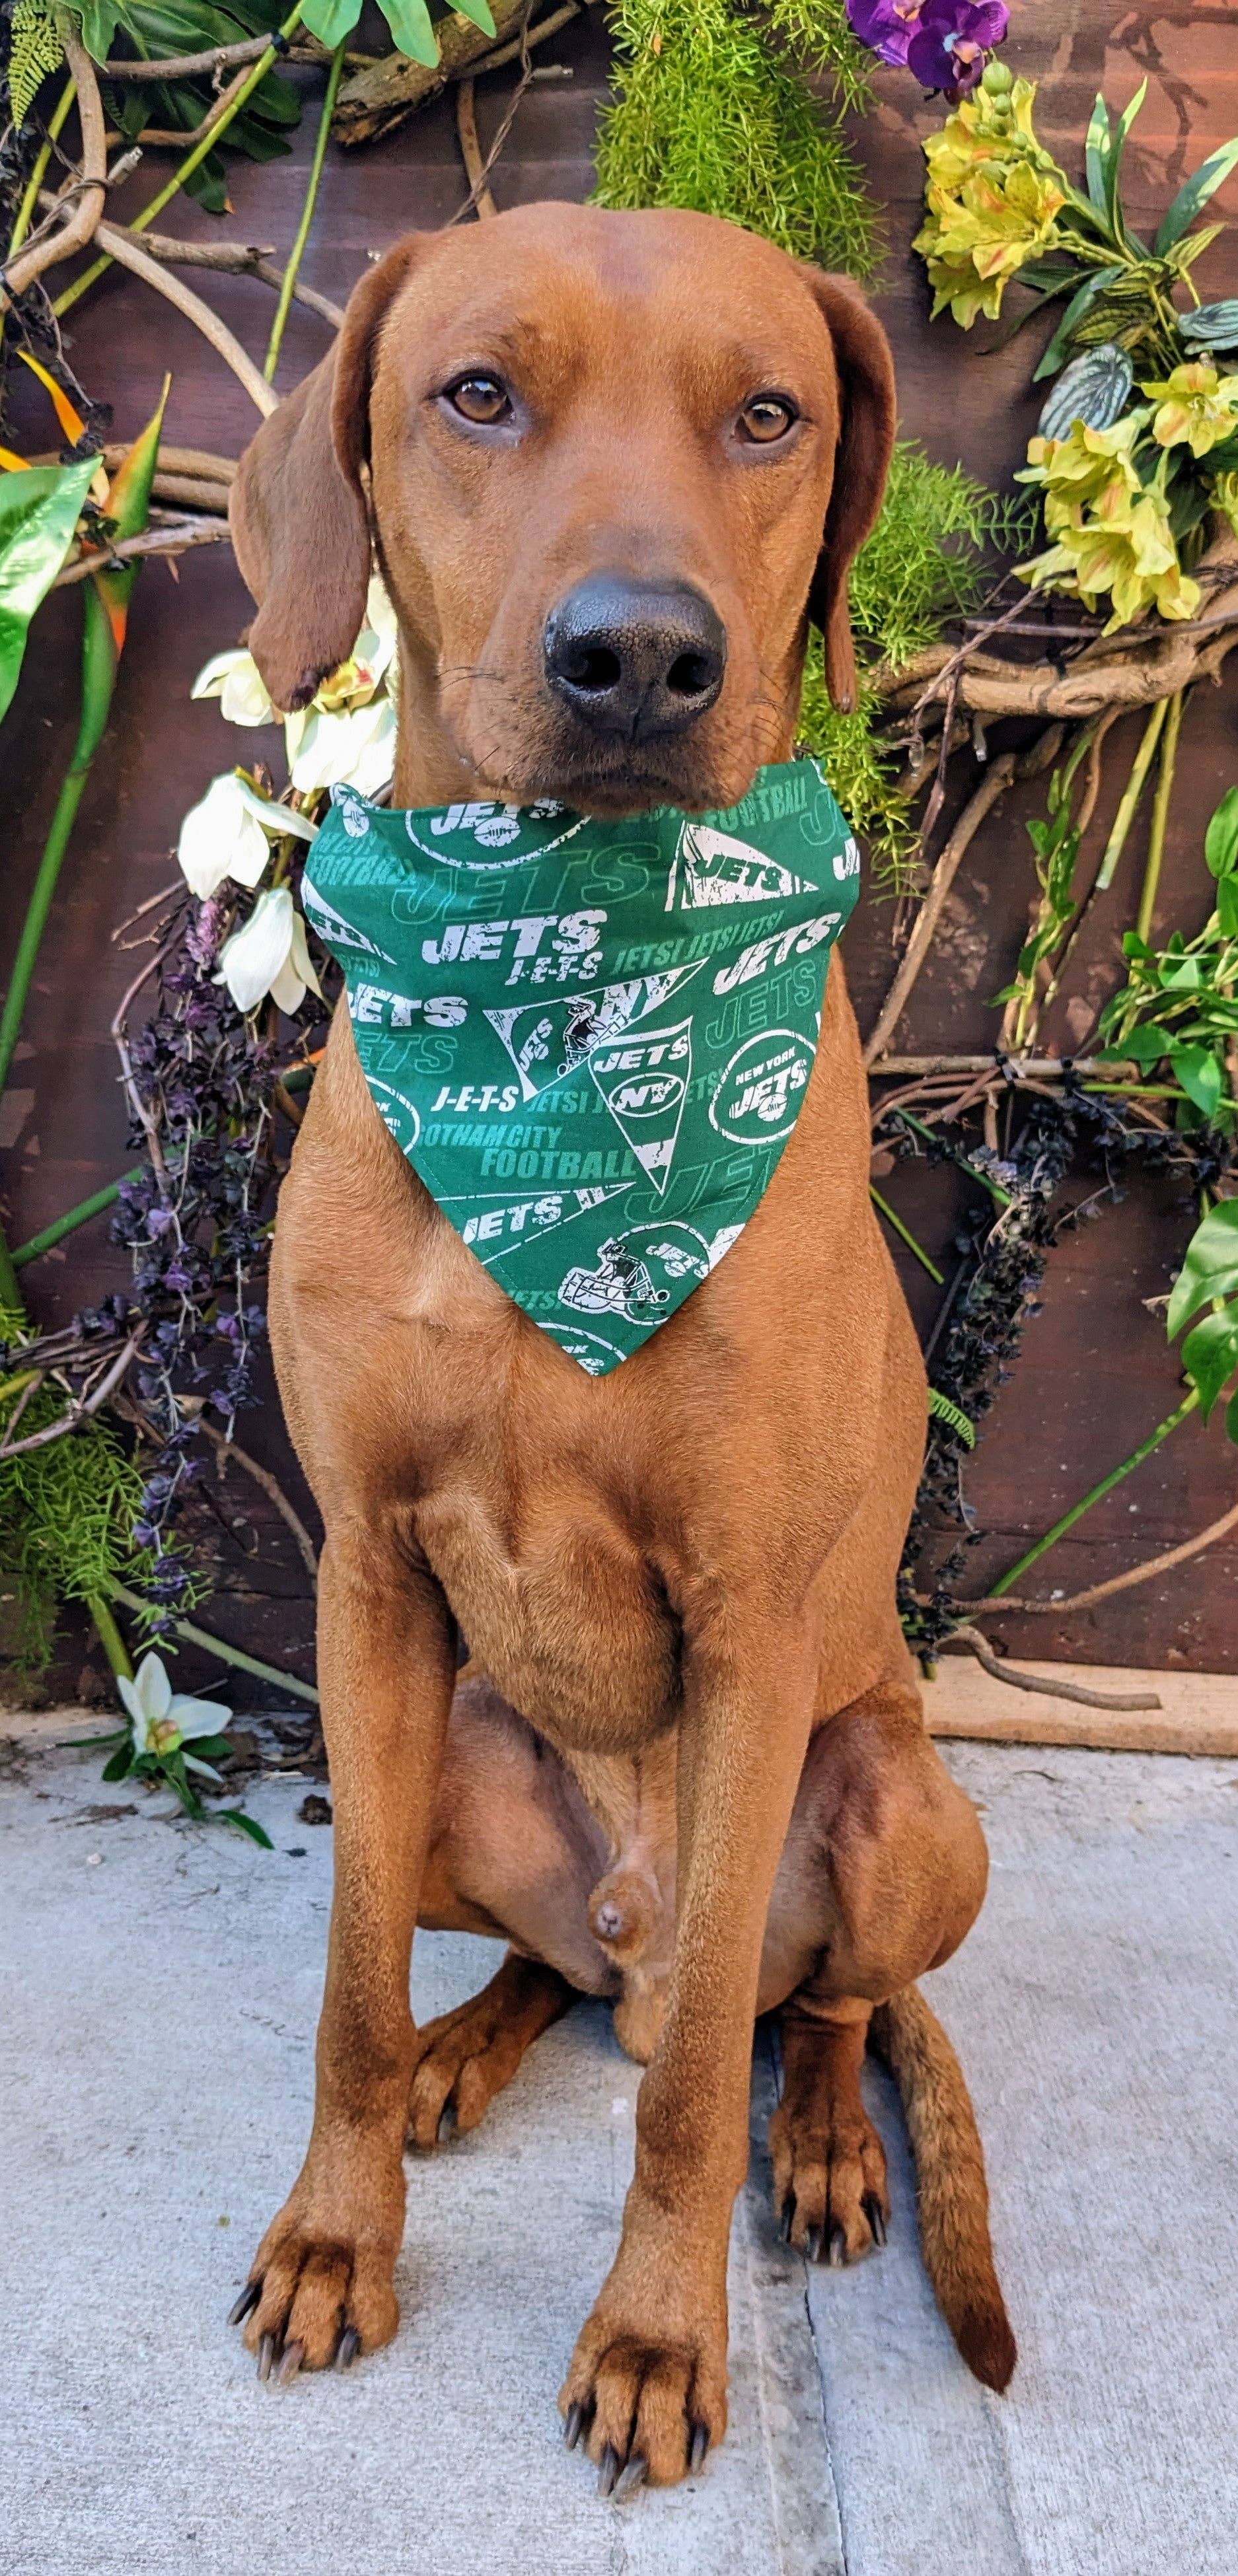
(695, 1775)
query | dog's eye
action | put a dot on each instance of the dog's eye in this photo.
(480, 398)
(767, 417)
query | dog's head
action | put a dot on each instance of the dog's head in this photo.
(612, 463)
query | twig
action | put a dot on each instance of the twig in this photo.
(470, 148)
(90, 191)
(272, 1488)
(1117, 1582)
(479, 177)
(239, 259)
(992, 786)
(173, 67)
(145, 1117)
(80, 1412)
(121, 247)
(176, 138)
(983, 1652)
(985, 798)
(157, 541)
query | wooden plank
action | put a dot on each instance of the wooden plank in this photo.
(1198, 1712)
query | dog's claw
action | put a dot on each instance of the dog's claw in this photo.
(812, 2244)
(633, 2476)
(446, 2123)
(350, 2346)
(246, 2303)
(837, 2255)
(697, 2448)
(293, 2356)
(573, 2422)
(266, 2355)
(875, 2215)
(608, 2471)
(787, 2220)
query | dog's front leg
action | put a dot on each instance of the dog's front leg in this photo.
(647, 2384)
(321, 2284)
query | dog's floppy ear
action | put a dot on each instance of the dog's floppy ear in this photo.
(297, 509)
(867, 424)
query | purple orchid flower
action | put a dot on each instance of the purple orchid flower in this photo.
(885, 26)
(948, 46)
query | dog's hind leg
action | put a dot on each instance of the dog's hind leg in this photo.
(883, 1873)
(469, 2055)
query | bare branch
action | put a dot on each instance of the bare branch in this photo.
(90, 191)
(1116, 1583)
(272, 1488)
(155, 541)
(983, 1652)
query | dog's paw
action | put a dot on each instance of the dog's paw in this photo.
(465, 2058)
(645, 2405)
(829, 2180)
(317, 2297)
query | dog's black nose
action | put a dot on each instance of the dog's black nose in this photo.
(635, 658)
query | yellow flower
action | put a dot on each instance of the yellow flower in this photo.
(1083, 464)
(974, 241)
(1118, 541)
(984, 128)
(1196, 405)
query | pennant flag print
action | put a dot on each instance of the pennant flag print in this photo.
(549, 1040)
(710, 868)
(644, 1083)
(331, 925)
(500, 1224)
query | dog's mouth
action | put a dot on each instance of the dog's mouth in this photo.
(530, 752)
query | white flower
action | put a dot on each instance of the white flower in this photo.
(225, 835)
(268, 954)
(356, 749)
(164, 1719)
(235, 679)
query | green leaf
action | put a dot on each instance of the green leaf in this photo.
(1114, 161)
(1096, 152)
(245, 1825)
(1210, 1355)
(38, 513)
(1221, 837)
(1227, 907)
(1058, 349)
(409, 21)
(478, 11)
(1231, 1418)
(1210, 1268)
(1144, 1047)
(331, 20)
(118, 1767)
(1194, 194)
(1200, 1076)
(100, 19)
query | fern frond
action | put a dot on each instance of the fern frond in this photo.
(36, 48)
(953, 1416)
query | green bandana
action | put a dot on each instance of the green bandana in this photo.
(592, 1040)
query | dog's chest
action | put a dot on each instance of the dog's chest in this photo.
(561, 1610)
